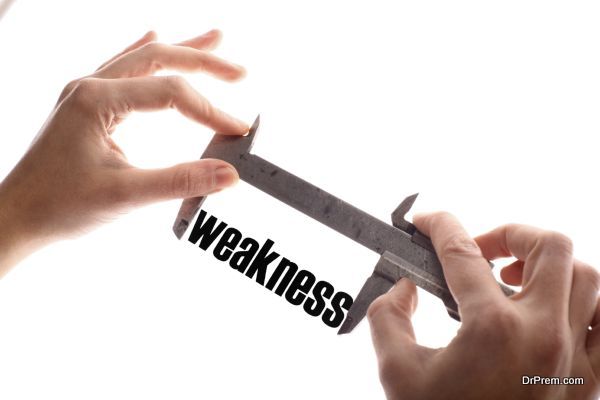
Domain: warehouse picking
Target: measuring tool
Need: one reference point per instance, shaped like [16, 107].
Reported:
[405, 252]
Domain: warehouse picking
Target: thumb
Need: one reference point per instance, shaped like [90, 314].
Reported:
[400, 358]
[390, 316]
[192, 179]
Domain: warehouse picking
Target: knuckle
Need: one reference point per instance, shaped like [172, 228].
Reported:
[499, 323]
[437, 216]
[86, 85]
[587, 273]
[187, 182]
[557, 242]
[152, 48]
[176, 83]
[68, 88]
[208, 111]
[551, 348]
[85, 92]
[387, 305]
[440, 214]
[511, 227]
[151, 54]
[181, 184]
[506, 323]
[459, 246]
[376, 307]
[174, 88]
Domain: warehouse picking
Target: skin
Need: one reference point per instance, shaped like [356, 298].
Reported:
[75, 177]
[551, 328]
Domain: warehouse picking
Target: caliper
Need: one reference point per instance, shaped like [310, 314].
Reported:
[405, 252]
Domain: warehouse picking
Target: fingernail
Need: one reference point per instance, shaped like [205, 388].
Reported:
[214, 37]
[151, 34]
[225, 176]
[235, 73]
[244, 127]
[241, 70]
[212, 32]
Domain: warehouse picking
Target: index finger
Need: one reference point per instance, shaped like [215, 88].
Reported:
[467, 272]
[113, 99]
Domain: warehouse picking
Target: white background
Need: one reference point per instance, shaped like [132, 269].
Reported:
[488, 109]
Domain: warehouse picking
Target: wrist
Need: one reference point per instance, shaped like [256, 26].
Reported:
[16, 242]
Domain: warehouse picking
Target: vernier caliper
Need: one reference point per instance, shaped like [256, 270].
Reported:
[405, 252]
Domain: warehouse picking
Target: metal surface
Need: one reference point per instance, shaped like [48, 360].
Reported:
[405, 248]
[389, 270]
[384, 276]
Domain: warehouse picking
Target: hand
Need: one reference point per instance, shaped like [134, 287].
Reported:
[544, 330]
[74, 176]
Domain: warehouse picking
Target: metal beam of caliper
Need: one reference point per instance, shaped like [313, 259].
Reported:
[405, 252]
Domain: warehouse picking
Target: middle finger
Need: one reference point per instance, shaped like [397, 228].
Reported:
[154, 57]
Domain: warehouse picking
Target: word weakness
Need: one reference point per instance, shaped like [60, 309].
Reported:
[247, 256]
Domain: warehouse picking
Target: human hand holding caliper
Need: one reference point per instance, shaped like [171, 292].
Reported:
[74, 176]
[550, 329]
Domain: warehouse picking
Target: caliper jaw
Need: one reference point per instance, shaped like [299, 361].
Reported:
[391, 268]
[225, 148]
